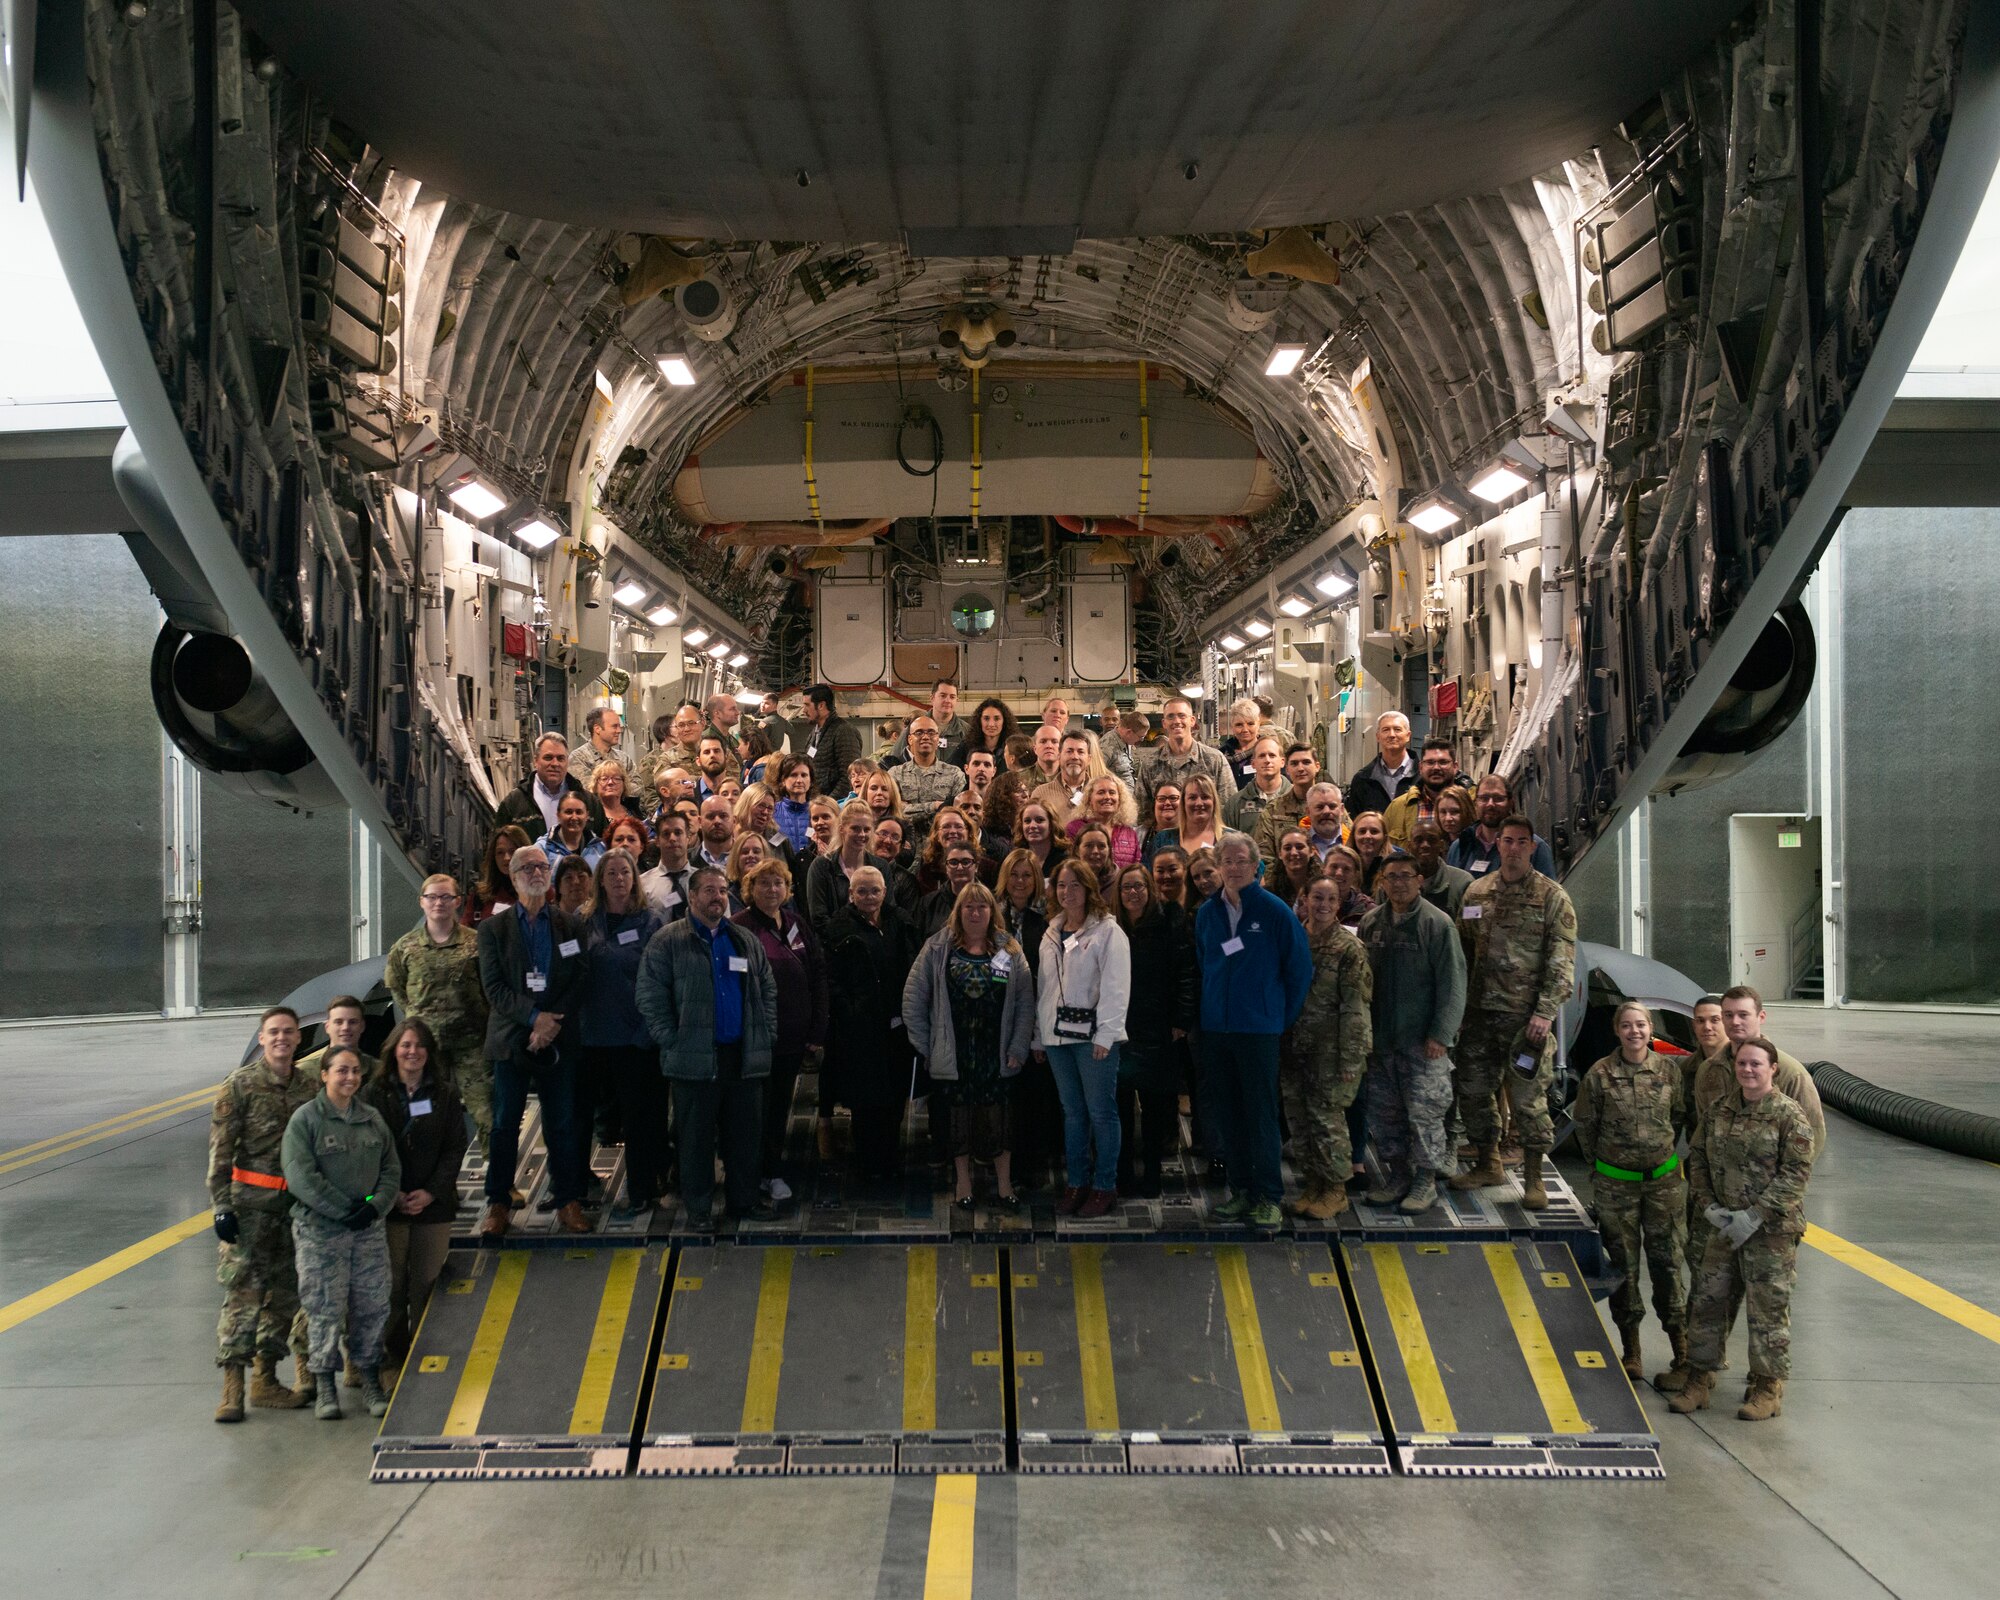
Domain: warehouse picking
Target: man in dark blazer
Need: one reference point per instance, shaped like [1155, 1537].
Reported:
[532, 966]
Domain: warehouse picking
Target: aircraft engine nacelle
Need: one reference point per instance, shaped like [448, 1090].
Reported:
[1764, 697]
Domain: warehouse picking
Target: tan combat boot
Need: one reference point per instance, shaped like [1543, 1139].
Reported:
[1767, 1399]
[1303, 1206]
[231, 1409]
[350, 1375]
[1633, 1362]
[268, 1394]
[1533, 1196]
[1486, 1174]
[1694, 1393]
[1675, 1378]
[1324, 1204]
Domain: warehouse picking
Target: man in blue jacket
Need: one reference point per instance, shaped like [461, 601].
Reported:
[1256, 966]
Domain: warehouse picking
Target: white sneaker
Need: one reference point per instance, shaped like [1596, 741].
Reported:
[778, 1189]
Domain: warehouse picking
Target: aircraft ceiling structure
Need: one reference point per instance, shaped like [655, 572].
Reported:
[1418, 183]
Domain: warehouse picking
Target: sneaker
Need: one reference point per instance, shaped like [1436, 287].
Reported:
[779, 1190]
[1266, 1215]
[1235, 1209]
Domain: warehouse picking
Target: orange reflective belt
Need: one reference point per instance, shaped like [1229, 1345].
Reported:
[257, 1180]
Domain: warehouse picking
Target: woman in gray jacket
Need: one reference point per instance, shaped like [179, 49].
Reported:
[343, 1172]
[969, 1009]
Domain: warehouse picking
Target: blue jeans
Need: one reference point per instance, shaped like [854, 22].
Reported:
[1089, 1091]
[1241, 1072]
[554, 1079]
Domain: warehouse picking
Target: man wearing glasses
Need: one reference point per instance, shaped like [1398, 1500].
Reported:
[532, 967]
[433, 973]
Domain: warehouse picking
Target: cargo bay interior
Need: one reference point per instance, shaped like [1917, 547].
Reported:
[1164, 351]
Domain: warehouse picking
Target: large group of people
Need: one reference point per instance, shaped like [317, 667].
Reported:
[1061, 944]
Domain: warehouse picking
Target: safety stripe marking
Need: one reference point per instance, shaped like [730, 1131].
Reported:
[1412, 1343]
[61, 1144]
[33, 1305]
[600, 1367]
[462, 1421]
[767, 1342]
[920, 1340]
[948, 1565]
[1544, 1365]
[1246, 1337]
[1093, 1339]
[1906, 1283]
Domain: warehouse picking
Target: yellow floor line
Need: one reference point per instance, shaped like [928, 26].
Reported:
[33, 1305]
[920, 1340]
[1412, 1343]
[600, 1367]
[767, 1343]
[1246, 1333]
[948, 1568]
[1906, 1283]
[462, 1421]
[1544, 1365]
[1093, 1339]
[61, 1144]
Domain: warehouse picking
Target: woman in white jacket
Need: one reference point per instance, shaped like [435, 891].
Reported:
[1086, 982]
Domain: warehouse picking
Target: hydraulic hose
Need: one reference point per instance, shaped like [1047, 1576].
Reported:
[1965, 1133]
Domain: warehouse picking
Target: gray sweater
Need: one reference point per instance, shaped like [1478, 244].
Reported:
[927, 1008]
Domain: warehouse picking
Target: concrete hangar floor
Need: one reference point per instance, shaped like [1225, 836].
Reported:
[1877, 1479]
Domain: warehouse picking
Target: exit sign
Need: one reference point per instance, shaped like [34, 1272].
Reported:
[1788, 841]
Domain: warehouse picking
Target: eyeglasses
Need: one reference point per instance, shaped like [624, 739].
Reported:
[532, 869]
[438, 899]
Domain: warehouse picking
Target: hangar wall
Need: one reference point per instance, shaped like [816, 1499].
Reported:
[81, 928]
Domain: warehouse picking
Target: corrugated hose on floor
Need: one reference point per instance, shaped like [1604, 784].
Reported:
[1965, 1133]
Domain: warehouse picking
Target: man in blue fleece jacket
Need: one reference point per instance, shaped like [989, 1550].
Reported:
[1256, 966]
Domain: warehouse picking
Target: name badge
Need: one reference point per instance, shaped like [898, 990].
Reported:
[794, 939]
[1069, 942]
[629, 936]
[537, 982]
[503, 905]
[1003, 963]
[739, 963]
[1232, 947]
[568, 947]
[1481, 866]
[420, 1108]
[1472, 913]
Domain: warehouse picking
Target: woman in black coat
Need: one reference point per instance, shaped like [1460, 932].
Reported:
[1166, 996]
[869, 952]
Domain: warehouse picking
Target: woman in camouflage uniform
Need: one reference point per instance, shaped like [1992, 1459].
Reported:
[1324, 1055]
[1748, 1164]
[1630, 1108]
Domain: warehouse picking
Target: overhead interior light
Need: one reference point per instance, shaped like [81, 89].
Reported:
[663, 616]
[1231, 642]
[1191, 691]
[538, 533]
[720, 648]
[1501, 481]
[604, 387]
[1433, 515]
[1257, 628]
[629, 593]
[1295, 605]
[675, 369]
[1334, 583]
[694, 637]
[1284, 360]
[740, 659]
[475, 498]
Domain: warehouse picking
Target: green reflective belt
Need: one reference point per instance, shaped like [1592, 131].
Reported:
[1665, 1167]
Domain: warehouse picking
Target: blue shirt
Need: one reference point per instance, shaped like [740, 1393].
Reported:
[795, 822]
[1261, 986]
[1472, 854]
[592, 849]
[728, 981]
[540, 934]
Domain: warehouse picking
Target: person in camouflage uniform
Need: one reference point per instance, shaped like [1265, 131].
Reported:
[1519, 930]
[1748, 1164]
[433, 973]
[1419, 999]
[246, 1184]
[344, 1172]
[1325, 1053]
[1630, 1109]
